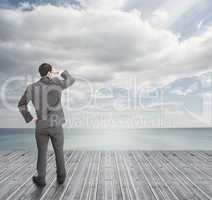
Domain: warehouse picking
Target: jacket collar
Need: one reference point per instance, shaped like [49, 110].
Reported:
[45, 79]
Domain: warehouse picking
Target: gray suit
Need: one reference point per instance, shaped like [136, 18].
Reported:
[45, 95]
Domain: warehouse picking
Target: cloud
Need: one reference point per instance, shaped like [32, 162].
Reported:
[200, 24]
[115, 41]
[101, 41]
[106, 42]
[103, 4]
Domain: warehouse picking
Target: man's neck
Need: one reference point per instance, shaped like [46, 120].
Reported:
[42, 77]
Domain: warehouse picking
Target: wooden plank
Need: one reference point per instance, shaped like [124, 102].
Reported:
[3, 153]
[138, 176]
[105, 190]
[175, 184]
[207, 153]
[116, 190]
[201, 184]
[8, 167]
[157, 187]
[187, 160]
[76, 181]
[10, 157]
[191, 158]
[99, 187]
[90, 181]
[128, 177]
[13, 169]
[169, 193]
[18, 180]
[83, 179]
[56, 192]
[123, 185]
[207, 157]
[95, 179]
[85, 191]
[111, 175]
[28, 190]
[195, 190]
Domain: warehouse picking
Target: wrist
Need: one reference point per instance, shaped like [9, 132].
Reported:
[60, 72]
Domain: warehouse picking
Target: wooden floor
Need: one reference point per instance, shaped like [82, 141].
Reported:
[93, 175]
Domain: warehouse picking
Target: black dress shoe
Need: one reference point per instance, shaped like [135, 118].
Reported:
[38, 181]
[61, 179]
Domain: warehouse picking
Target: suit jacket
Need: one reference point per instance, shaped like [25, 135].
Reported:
[45, 95]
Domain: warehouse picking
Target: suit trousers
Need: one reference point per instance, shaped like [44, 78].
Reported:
[42, 136]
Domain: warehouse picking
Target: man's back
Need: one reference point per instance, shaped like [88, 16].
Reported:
[45, 95]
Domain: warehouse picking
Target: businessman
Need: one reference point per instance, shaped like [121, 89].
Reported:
[45, 96]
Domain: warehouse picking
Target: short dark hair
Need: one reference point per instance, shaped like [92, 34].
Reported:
[44, 69]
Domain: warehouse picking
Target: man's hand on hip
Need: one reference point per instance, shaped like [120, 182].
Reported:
[34, 120]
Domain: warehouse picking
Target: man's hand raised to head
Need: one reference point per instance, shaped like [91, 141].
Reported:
[56, 71]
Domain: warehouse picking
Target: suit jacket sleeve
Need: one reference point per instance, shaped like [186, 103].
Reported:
[67, 81]
[22, 105]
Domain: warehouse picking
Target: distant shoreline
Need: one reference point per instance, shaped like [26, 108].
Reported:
[121, 128]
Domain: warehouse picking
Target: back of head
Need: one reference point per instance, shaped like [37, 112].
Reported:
[44, 69]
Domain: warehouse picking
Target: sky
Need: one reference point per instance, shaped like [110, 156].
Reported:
[110, 46]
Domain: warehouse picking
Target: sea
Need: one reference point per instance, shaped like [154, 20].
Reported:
[114, 139]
